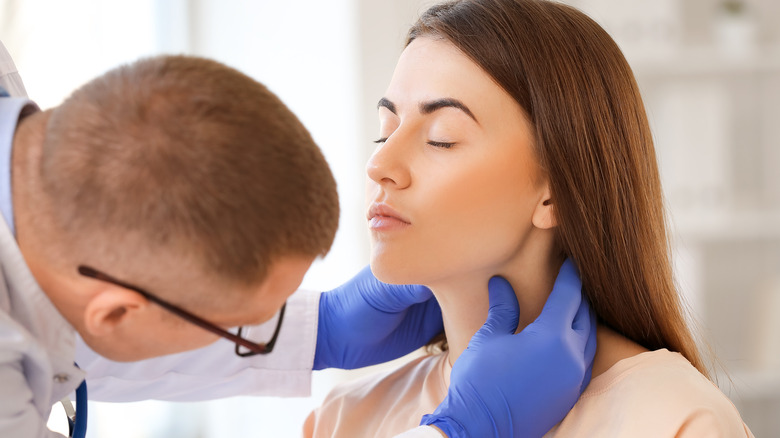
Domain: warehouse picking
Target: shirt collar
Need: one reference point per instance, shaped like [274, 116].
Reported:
[10, 110]
[32, 309]
[30, 306]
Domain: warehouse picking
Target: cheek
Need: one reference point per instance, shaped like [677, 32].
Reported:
[485, 219]
[175, 338]
[468, 220]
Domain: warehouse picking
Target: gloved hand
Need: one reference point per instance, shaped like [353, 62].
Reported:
[365, 322]
[521, 385]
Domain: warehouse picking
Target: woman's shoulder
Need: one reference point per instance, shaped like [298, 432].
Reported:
[659, 369]
[655, 393]
[387, 401]
[430, 370]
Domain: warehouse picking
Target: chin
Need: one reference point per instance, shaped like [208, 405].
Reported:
[394, 273]
[382, 274]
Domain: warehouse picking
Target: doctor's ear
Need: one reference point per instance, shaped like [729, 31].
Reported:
[544, 214]
[109, 308]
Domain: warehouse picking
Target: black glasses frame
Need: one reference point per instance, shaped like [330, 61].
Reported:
[253, 347]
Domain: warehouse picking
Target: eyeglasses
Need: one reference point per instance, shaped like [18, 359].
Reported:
[200, 322]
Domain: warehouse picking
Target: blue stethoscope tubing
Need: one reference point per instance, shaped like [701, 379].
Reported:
[80, 422]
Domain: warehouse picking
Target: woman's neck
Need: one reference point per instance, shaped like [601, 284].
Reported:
[464, 300]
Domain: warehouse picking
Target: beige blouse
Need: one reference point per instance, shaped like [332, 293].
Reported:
[653, 394]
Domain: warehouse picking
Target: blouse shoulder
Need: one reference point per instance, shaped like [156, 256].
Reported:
[654, 394]
[382, 404]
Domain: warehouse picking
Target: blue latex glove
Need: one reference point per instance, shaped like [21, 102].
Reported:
[521, 385]
[365, 322]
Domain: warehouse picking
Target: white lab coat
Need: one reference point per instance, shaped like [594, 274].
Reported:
[215, 371]
[9, 77]
[37, 348]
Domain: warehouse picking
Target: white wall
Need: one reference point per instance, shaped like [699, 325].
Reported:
[304, 51]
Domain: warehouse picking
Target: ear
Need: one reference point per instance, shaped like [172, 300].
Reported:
[110, 308]
[544, 214]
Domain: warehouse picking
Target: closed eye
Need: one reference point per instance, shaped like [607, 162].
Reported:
[441, 144]
[438, 144]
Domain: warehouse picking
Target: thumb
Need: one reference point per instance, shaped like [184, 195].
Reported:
[397, 298]
[504, 312]
[389, 297]
[564, 301]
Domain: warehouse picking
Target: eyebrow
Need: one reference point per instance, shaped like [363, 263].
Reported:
[384, 102]
[432, 106]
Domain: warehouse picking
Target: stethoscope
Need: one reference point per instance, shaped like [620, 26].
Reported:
[77, 418]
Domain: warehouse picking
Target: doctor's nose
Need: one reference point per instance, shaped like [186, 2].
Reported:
[388, 166]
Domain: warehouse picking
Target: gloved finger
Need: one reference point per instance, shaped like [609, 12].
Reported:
[564, 300]
[581, 323]
[504, 313]
[590, 350]
[393, 298]
[433, 318]
[424, 321]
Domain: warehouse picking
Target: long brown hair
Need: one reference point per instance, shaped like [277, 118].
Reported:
[593, 140]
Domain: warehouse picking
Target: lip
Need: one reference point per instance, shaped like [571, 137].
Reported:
[383, 217]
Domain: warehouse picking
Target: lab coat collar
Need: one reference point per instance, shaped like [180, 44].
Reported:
[23, 300]
[33, 309]
[10, 110]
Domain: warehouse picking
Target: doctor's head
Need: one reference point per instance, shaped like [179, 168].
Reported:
[184, 177]
[513, 131]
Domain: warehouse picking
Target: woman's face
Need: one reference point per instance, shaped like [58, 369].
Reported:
[453, 183]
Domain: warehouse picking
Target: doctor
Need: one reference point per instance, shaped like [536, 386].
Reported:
[175, 197]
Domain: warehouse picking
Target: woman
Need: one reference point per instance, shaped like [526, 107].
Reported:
[512, 136]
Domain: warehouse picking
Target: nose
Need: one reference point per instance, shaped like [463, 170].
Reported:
[388, 165]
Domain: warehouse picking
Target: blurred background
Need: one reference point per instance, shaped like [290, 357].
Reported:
[709, 71]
